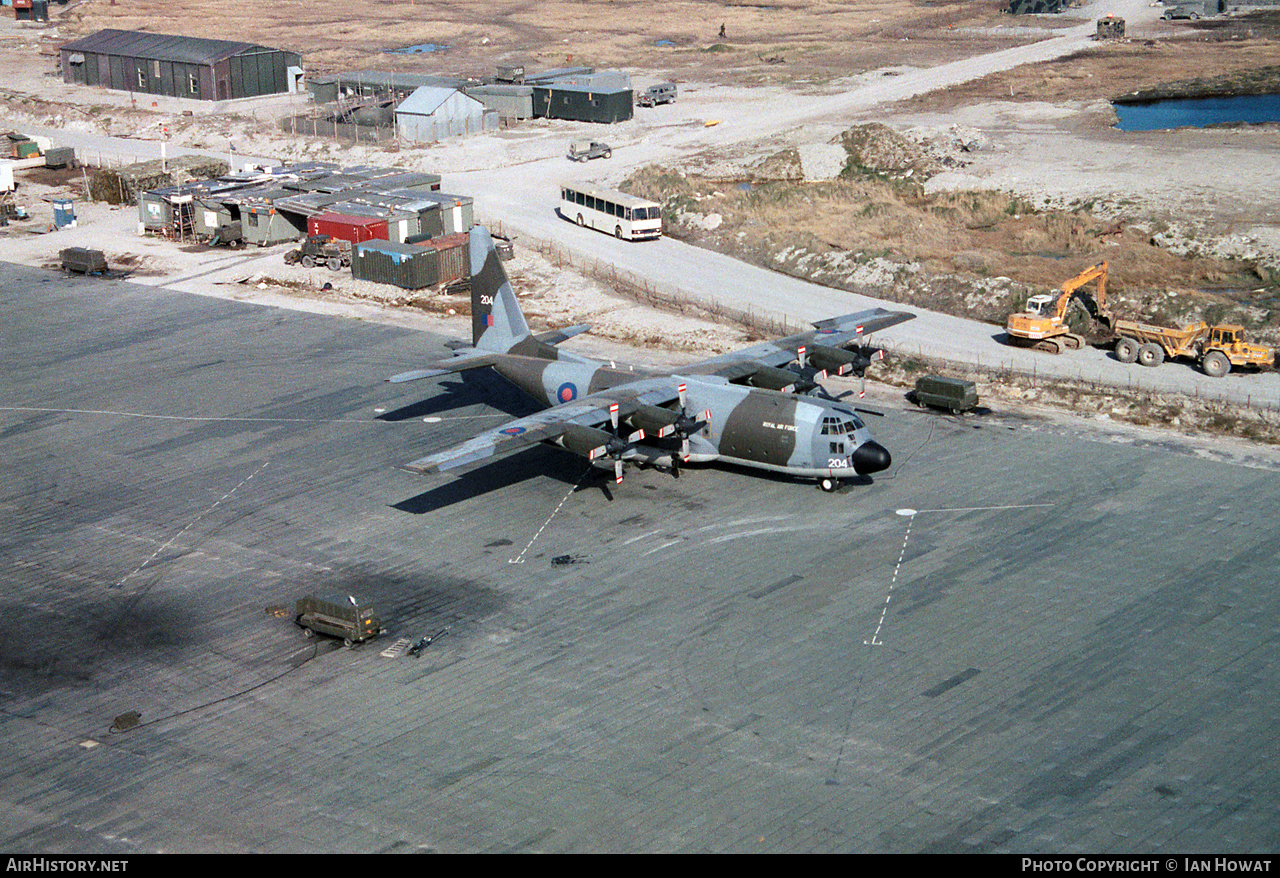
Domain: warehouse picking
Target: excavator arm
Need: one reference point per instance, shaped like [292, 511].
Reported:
[1097, 272]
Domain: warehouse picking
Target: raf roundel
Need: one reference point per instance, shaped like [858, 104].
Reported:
[513, 431]
[567, 392]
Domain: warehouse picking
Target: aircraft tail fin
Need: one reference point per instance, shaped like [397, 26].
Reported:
[496, 320]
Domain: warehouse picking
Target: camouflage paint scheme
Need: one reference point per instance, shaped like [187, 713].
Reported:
[741, 407]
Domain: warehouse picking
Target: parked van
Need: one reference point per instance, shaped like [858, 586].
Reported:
[348, 619]
[663, 93]
[946, 393]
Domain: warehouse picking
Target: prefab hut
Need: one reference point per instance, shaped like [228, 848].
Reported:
[177, 66]
[434, 113]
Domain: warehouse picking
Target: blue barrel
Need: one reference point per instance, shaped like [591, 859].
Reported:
[64, 212]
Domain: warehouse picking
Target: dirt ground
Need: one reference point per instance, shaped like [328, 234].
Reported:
[1222, 51]
[778, 41]
[875, 229]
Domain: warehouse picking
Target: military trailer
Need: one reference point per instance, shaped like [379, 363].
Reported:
[229, 235]
[83, 260]
[953, 394]
[348, 619]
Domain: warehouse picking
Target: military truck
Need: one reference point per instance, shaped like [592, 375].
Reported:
[321, 250]
[348, 619]
[594, 149]
[953, 394]
[1216, 349]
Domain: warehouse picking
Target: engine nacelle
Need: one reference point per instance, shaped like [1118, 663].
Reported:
[654, 421]
[838, 361]
[583, 441]
[774, 379]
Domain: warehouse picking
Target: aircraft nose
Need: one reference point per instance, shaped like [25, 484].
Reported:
[871, 457]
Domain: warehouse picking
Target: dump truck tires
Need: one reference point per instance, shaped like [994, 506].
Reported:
[1215, 364]
[308, 261]
[1126, 350]
[335, 263]
[1150, 354]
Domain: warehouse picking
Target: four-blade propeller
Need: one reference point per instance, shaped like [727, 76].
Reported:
[616, 447]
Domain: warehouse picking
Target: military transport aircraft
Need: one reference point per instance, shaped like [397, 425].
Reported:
[759, 407]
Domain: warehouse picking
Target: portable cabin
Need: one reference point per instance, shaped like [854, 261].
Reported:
[457, 212]
[400, 223]
[508, 101]
[265, 225]
[583, 101]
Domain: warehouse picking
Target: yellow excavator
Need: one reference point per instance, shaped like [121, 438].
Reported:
[1042, 326]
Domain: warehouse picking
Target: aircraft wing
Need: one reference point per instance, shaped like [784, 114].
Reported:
[835, 332]
[471, 359]
[591, 412]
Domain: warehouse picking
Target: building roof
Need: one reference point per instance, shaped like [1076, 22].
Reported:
[163, 47]
[426, 100]
[386, 79]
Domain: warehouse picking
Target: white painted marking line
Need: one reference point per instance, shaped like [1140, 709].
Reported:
[245, 420]
[910, 514]
[980, 508]
[189, 526]
[875, 636]
[432, 420]
[187, 418]
[519, 559]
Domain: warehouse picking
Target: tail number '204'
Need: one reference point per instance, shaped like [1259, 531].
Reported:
[486, 300]
[837, 463]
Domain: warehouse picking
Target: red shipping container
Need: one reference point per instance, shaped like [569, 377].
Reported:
[348, 228]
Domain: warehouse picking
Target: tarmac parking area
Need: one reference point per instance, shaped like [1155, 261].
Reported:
[1019, 638]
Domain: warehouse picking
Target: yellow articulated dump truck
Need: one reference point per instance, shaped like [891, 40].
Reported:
[1216, 349]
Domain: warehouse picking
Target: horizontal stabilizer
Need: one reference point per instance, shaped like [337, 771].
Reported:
[555, 336]
[461, 363]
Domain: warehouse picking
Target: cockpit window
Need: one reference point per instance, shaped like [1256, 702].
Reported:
[840, 424]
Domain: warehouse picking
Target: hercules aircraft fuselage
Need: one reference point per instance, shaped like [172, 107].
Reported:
[740, 407]
[807, 437]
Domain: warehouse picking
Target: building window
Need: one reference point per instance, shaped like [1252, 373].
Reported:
[193, 84]
[142, 78]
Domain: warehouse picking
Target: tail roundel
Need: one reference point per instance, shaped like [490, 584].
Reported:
[496, 319]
